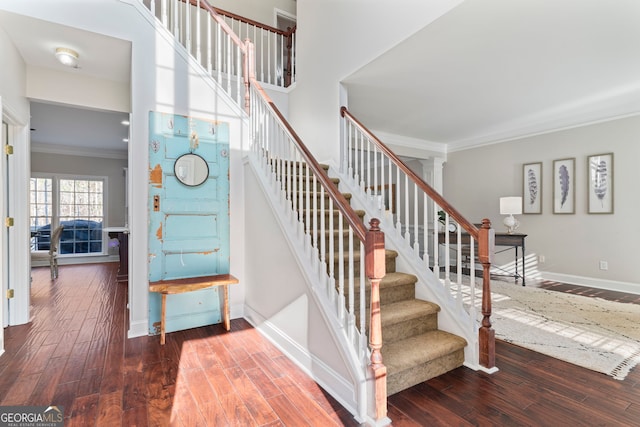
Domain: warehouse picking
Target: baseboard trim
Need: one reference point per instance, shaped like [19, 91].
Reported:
[91, 259]
[610, 285]
[330, 380]
[138, 329]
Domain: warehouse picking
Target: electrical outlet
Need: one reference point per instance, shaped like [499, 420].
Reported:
[541, 259]
[604, 265]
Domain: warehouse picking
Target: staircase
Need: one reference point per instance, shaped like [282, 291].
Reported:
[414, 349]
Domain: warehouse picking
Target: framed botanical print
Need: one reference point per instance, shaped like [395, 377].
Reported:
[600, 183]
[564, 185]
[532, 188]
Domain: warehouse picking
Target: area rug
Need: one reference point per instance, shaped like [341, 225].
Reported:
[596, 334]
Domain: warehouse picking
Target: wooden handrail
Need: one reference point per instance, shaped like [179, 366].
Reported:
[254, 23]
[223, 24]
[430, 191]
[217, 13]
[484, 236]
[372, 239]
[339, 200]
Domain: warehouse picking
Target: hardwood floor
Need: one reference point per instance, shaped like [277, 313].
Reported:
[530, 389]
[75, 354]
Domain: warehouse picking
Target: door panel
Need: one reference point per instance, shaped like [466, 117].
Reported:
[189, 232]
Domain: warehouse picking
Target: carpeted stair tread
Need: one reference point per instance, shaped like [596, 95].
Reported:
[394, 287]
[413, 349]
[318, 194]
[404, 311]
[388, 254]
[405, 354]
[390, 280]
[358, 212]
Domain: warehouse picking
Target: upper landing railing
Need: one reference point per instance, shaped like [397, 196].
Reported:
[275, 53]
[213, 36]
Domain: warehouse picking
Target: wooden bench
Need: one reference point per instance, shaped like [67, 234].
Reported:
[179, 286]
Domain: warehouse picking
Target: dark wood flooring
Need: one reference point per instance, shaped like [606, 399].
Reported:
[75, 354]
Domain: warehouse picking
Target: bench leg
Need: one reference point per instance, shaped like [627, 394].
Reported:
[225, 308]
[162, 318]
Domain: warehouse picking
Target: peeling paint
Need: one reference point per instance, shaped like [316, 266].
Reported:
[155, 176]
[209, 252]
[159, 232]
[156, 327]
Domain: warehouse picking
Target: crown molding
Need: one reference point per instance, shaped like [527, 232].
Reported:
[414, 147]
[514, 136]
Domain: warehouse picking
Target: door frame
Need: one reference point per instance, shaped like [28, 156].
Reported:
[3, 242]
[16, 272]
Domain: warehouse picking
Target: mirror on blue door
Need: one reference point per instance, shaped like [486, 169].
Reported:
[191, 169]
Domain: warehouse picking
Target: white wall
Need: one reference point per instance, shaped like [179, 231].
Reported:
[334, 40]
[74, 89]
[13, 78]
[280, 302]
[16, 112]
[572, 245]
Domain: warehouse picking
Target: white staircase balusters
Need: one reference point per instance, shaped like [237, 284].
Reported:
[449, 241]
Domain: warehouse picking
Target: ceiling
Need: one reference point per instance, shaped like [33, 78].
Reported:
[489, 70]
[65, 128]
[492, 70]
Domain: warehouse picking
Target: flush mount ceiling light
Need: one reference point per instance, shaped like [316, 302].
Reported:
[68, 57]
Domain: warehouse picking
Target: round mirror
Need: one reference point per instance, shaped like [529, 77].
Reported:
[191, 169]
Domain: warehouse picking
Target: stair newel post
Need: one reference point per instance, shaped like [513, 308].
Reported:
[375, 268]
[486, 336]
[289, 45]
[249, 71]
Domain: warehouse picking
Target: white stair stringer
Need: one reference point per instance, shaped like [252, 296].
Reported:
[453, 317]
[359, 399]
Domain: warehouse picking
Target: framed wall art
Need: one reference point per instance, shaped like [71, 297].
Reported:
[532, 188]
[564, 185]
[600, 185]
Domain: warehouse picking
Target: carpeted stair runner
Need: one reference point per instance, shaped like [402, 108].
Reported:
[413, 350]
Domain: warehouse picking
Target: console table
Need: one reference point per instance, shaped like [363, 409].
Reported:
[122, 234]
[179, 286]
[515, 241]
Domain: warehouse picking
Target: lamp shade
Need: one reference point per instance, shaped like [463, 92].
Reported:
[510, 205]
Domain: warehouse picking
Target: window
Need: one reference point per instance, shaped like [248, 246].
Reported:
[41, 212]
[77, 204]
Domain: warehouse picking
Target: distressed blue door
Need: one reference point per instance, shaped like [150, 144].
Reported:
[188, 225]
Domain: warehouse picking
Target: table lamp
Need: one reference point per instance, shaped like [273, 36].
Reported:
[511, 206]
